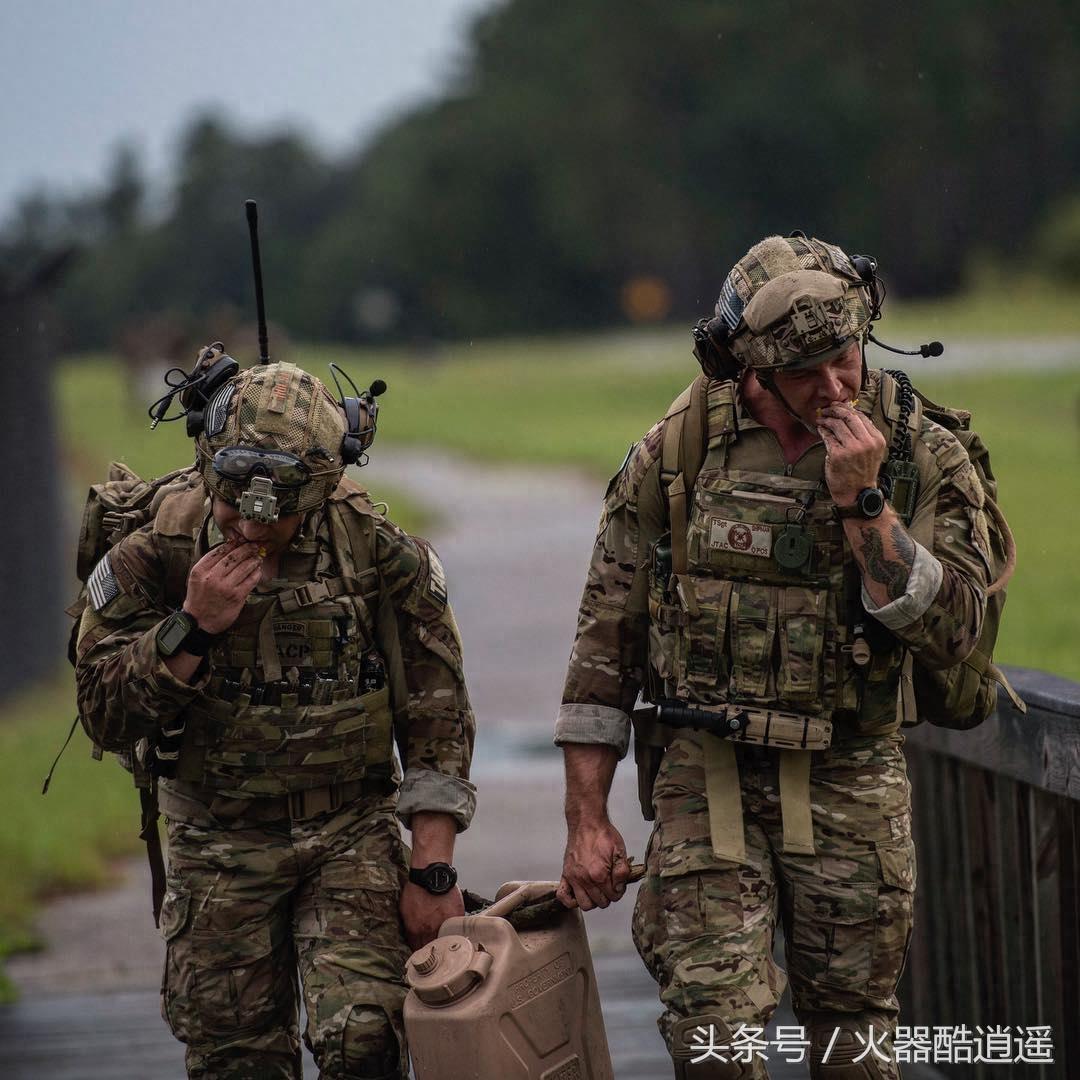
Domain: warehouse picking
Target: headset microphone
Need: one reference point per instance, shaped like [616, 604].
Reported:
[932, 348]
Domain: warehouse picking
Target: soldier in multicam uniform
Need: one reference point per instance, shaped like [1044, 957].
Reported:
[779, 595]
[297, 652]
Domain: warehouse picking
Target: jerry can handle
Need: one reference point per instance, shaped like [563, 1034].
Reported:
[521, 893]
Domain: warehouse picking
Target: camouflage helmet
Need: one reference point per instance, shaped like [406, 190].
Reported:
[275, 407]
[792, 302]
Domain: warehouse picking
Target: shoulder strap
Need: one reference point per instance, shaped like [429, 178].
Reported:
[352, 519]
[681, 455]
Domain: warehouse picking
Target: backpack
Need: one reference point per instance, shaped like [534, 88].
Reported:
[961, 696]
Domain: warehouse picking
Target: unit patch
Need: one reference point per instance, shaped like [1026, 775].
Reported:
[292, 642]
[102, 586]
[741, 537]
[436, 586]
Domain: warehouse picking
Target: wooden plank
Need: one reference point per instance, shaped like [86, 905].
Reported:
[1047, 877]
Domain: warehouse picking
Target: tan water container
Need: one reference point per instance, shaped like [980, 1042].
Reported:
[489, 1002]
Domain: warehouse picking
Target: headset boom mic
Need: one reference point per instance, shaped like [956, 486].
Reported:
[933, 348]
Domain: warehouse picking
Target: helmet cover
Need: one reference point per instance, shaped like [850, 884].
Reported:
[275, 407]
[792, 302]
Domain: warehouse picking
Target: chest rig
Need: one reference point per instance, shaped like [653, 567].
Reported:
[756, 623]
[299, 695]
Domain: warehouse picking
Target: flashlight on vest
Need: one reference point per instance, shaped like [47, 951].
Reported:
[259, 503]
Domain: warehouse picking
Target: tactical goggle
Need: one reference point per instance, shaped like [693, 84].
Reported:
[239, 463]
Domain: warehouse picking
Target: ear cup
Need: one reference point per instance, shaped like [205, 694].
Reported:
[361, 432]
[197, 397]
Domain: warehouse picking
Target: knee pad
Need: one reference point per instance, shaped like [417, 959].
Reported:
[696, 1048]
[849, 1035]
[361, 1045]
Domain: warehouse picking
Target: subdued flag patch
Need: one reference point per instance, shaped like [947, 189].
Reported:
[436, 579]
[102, 586]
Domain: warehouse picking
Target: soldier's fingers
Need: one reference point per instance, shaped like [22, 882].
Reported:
[237, 571]
[565, 895]
[620, 873]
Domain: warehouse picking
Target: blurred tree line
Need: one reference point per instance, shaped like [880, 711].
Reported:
[595, 161]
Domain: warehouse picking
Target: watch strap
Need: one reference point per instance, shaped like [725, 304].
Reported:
[436, 877]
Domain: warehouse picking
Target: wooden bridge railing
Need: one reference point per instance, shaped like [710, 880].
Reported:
[997, 916]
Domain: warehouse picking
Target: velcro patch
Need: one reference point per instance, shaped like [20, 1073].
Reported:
[280, 393]
[741, 537]
[102, 586]
[217, 411]
[436, 585]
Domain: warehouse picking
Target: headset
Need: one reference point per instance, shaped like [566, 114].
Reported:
[214, 368]
[712, 336]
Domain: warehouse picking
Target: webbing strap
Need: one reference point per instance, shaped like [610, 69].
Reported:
[795, 802]
[269, 660]
[724, 797]
[680, 567]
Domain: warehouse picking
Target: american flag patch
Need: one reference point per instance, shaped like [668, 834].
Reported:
[218, 410]
[102, 586]
[730, 305]
[436, 579]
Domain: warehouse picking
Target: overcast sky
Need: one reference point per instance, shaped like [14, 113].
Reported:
[78, 75]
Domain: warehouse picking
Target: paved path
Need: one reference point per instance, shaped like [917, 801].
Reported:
[514, 544]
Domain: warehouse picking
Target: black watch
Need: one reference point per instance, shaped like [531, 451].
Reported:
[868, 504]
[436, 877]
[181, 633]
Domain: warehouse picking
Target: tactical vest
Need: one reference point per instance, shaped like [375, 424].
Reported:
[755, 616]
[300, 689]
[778, 625]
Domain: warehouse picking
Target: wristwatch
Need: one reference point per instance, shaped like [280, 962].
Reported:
[436, 877]
[868, 504]
[181, 633]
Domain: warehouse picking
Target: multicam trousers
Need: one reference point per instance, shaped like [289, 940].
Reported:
[249, 908]
[704, 926]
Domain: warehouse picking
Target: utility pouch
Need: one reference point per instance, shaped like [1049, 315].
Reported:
[649, 747]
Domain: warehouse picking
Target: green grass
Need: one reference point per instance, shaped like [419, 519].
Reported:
[66, 839]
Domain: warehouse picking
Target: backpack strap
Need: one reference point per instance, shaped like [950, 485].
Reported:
[701, 418]
[353, 526]
[681, 455]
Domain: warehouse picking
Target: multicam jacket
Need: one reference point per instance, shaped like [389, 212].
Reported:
[768, 636]
[281, 703]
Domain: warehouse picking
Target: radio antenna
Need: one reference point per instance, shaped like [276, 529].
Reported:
[256, 263]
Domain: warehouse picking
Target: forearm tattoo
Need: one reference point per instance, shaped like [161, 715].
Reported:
[892, 573]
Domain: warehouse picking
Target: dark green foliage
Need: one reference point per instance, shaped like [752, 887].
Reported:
[583, 145]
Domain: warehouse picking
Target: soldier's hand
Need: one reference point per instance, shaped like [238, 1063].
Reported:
[220, 582]
[854, 451]
[595, 866]
[422, 913]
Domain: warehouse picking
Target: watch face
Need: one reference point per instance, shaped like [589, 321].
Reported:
[440, 878]
[871, 502]
[172, 633]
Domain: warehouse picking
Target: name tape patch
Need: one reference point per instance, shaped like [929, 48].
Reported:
[741, 537]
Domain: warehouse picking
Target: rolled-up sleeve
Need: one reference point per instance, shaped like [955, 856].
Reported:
[607, 662]
[941, 613]
[435, 727]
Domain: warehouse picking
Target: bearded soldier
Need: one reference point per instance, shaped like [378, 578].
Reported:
[260, 644]
[771, 598]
